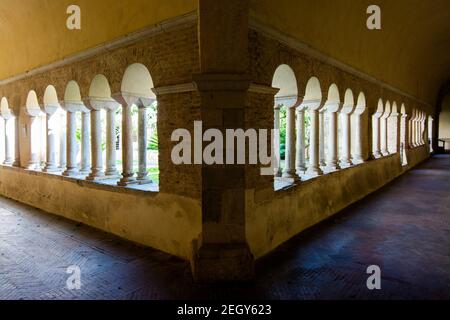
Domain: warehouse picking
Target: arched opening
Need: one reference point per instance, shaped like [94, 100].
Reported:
[139, 122]
[403, 135]
[7, 133]
[284, 122]
[55, 131]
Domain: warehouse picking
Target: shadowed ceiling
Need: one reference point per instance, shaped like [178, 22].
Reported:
[411, 52]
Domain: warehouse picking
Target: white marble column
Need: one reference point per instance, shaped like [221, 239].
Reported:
[345, 160]
[376, 148]
[71, 144]
[8, 143]
[289, 167]
[300, 142]
[51, 165]
[63, 141]
[322, 162]
[313, 166]
[111, 169]
[96, 146]
[85, 142]
[142, 175]
[33, 162]
[358, 156]
[276, 142]
[127, 146]
[332, 161]
[16, 142]
[384, 136]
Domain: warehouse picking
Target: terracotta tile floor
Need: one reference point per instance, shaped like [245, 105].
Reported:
[404, 228]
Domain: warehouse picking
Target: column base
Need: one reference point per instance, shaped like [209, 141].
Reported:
[345, 164]
[112, 173]
[144, 180]
[7, 162]
[51, 168]
[358, 161]
[331, 167]
[97, 175]
[223, 262]
[71, 173]
[123, 182]
[384, 153]
[300, 171]
[377, 155]
[313, 172]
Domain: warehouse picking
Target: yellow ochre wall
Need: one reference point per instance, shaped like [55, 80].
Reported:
[34, 33]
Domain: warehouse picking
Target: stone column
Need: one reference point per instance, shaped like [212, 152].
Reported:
[322, 162]
[142, 143]
[345, 160]
[85, 142]
[62, 142]
[71, 143]
[358, 157]
[16, 142]
[51, 165]
[332, 161]
[383, 135]
[8, 143]
[313, 166]
[376, 152]
[289, 164]
[111, 169]
[300, 142]
[276, 142]
[127, 146]
[33, 162]
[96, 146]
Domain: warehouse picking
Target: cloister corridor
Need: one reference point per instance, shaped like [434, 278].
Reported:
[404, 228]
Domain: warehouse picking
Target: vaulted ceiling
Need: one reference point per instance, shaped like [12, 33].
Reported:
[410, 52]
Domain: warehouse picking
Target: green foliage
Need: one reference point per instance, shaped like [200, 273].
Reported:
[153, 142]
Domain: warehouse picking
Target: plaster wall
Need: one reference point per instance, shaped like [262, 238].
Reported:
[159, 220]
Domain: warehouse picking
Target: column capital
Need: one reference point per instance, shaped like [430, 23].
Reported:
[74, 106]
[98, 104]
[50, 109]
[312, 104]
[332, 106]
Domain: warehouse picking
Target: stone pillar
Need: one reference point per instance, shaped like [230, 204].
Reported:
[289, 164]
[345, 160]
[384, 135]
[71, 143]
[111, 169]
[127, 146]
[222, 252]
[322, 162]
[276, 126]
[358, 156]
[96, 146]
[300, 142]
[376, 136]
[142, 144]
[332, 161]
[313, 166]
[16, 142]
[8, 143]
[85, 142]
[63, 142]
[51, 165]
[33, 162]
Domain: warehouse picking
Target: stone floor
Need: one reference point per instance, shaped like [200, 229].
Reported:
[404, 228]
